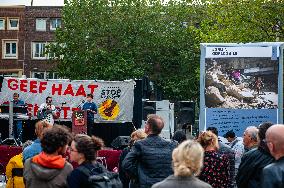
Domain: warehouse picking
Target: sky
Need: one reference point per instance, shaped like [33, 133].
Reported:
[35, 3]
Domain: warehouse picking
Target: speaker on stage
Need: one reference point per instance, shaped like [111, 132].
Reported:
[149, 107]
[120, 142]
[186, 114]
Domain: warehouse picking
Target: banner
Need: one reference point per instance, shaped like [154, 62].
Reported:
[241, 85]
[114, 99]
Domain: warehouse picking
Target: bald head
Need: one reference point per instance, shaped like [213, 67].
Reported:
[275, 140]
[154, 124]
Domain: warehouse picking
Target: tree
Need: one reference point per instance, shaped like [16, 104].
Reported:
[126, 39]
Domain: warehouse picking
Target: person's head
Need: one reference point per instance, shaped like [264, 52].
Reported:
[213, 130]
[250, 138]
[154, 124]
[230, 136]
[40, 127]
[262, 128]
[275, 140]
[89, 97]
[187, 158]
[16, 96]
[26, 144]
[208, 140]
[48, 100]
[139, 134]
[179, 136]
[55, 140]
[84, 148]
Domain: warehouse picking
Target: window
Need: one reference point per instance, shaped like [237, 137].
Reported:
[45, 75]
[38, 49]
[13, 24]
[41, 24]
[55, 23]
[2, 23]
[10, 48]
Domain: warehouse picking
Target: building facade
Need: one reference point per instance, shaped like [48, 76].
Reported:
[24, 47]
[12, 31]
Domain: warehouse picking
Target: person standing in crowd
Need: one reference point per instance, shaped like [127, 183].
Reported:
[49, 168]
[91, 109]
[83, 150]
[14, 169]
[150, 159]
[136, 135]
[250, 140]
[187, 163]
[47, 111]
[216, 169]
[273, 174]
[35, 147]
[237, 146]
[224, 149]
[250, 169]
[179, 136]
[18, 127]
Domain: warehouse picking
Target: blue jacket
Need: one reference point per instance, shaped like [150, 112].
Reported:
[150, 160]
[32, 150]
[90, 106]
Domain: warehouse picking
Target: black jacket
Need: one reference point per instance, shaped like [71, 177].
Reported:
[273, 175]
[181, 182]
[250, 169]
[150, 160]
[77, 179]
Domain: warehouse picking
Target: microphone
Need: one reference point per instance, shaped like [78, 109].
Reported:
[83, 101]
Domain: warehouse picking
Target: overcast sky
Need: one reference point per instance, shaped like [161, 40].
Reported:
[36, 2]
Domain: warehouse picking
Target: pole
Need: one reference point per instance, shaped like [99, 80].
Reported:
[11, 119]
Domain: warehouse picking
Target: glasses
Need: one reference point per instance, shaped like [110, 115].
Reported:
[72, 150]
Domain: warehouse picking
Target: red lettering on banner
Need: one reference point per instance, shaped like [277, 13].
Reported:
[13, 86]
[23, 85]
[35, 109]
[81, 91]
[69, 90]
[56, 89]
[30, 107]
[92, 87]
[65, 110]
[42, 86]
[33, 86]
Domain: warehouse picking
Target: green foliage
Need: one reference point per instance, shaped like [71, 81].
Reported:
[126, 39]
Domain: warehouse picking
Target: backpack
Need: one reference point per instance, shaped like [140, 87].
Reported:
[105, 179]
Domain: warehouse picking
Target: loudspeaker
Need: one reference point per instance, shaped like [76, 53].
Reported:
[186, 113]
[120, 142]
[149, 107]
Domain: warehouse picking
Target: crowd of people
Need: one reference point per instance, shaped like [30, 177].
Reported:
[151, 161]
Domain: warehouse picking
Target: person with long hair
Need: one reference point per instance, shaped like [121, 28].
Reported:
[83, 150]
[216, 166]
[187, 163]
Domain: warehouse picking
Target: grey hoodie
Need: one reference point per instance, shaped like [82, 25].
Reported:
[36, 176]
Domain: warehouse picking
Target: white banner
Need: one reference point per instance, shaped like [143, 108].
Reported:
[114, 99]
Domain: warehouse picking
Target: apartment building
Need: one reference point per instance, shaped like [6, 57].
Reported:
[25, 33]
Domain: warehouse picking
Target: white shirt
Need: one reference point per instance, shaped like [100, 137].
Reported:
[49, 117]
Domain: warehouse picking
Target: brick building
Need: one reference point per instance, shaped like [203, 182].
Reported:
[12, 40]
[24, 44]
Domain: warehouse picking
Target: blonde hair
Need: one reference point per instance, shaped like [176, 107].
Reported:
[139, 134]
[188, 158]
[40, 126]
[208, 138]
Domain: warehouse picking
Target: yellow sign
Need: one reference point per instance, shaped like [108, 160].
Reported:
[109, 109]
